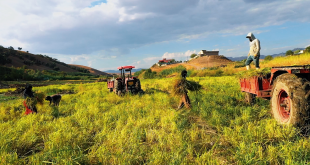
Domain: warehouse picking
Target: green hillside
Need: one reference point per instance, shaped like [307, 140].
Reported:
[21, 65]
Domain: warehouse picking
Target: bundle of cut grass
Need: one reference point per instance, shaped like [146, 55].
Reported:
[31, 101]
[40, 97]
[181, 86]
[253, 72]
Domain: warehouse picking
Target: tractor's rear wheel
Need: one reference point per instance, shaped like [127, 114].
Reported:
[118, 86]
[290, 100]
[250, 98]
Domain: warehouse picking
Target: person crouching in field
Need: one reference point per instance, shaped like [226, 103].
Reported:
[254, 53]
[30, 101]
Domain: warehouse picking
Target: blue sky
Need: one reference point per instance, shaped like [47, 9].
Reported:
[106, 34]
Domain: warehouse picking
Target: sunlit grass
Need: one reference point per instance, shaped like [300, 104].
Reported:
[94, 126]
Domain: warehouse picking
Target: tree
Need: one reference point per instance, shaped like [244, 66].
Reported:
[289, 52]
[296, 51]
[172, 61]
[268, 58]
[193, 55]
[307, 49]
[19, 48]
[11, 48]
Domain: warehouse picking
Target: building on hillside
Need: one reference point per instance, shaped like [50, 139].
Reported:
[164, 62]
[207, 53]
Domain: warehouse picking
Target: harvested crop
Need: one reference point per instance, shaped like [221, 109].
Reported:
[254, 72]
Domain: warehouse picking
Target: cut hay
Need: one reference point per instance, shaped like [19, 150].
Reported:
[181, 86]
[40, 97]
[31, 102]
[253, 72]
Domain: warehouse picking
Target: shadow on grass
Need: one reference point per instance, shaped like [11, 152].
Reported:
[153, 90]
[55, 112]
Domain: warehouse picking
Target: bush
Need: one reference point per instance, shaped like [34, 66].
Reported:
[149, 74]
[136, 74]
[193, 55]
[169, 71]
[289, 52]
[307, 49]
[268, 58]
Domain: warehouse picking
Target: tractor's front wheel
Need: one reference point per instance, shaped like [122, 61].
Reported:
[138, 85]
[290, 100]
[119, 93]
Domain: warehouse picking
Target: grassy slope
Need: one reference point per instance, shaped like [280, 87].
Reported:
[95, 126]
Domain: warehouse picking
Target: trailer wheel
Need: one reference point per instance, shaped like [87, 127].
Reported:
[111, 89]
[250, 98]
[289, 100]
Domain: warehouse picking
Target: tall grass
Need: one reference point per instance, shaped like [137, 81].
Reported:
[302, 59]
[94, 126]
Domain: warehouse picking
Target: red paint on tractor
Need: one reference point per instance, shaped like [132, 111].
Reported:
[125, 67]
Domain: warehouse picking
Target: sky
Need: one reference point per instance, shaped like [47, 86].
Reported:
[106, 34]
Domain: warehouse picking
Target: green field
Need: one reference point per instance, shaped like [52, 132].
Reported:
[94, 126]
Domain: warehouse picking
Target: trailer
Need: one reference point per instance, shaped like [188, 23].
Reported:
[287, 88]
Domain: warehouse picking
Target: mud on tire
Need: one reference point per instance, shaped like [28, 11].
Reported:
[117, 86]
[138, 85]
[290, 100]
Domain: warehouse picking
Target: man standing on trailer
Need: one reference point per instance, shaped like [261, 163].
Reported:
[254, 53]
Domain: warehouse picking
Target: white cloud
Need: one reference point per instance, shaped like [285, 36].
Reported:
[114, 28]
[228, 50]
[179, 54]
[78, 58]
[90, 63]
[148, 59]
[73, 27]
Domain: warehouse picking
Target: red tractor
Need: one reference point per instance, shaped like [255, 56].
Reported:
[125, 84]
[287, 88]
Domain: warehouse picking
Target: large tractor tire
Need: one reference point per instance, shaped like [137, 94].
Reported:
[250, 98]
[290, 100]
[138, 85]
[117, 86]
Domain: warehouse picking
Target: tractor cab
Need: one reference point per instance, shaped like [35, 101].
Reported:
[124, 69]
[128, 80]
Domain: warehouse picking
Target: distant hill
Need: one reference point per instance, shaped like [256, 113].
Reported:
[210, 61]
[199, 63]
[16, 58]
[262, 56]
[91, 70]
[117, 71]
